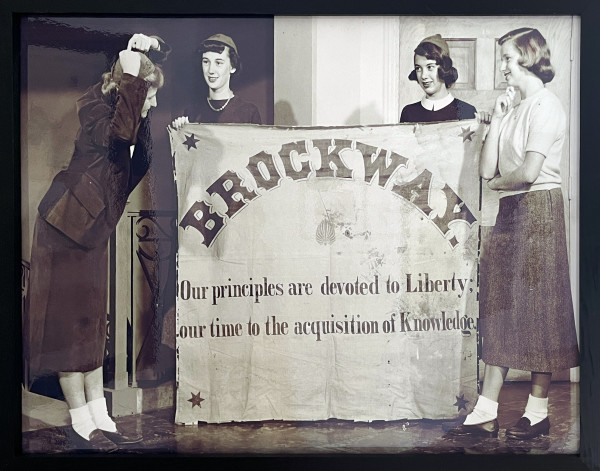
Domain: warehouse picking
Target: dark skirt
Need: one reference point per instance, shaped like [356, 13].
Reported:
[526, 309]
[66, 304]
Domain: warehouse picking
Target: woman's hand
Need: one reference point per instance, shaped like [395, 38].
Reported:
[178, 123]
[483, 117]
[493, 183]
[130, 62]
[504, 103]
[143, 43]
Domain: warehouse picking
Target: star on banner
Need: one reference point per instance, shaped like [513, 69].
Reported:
[196, 400]
[466, 133]
[190, 141]
[461, 402]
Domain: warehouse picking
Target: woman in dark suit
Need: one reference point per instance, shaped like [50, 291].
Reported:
[69, 258]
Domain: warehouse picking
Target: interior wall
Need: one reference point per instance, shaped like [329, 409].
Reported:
[336, 71]
[294, 79]
[49, 117]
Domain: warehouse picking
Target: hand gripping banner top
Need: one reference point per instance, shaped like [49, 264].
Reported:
[326, 272]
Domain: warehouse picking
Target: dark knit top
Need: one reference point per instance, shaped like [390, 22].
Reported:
[236, 111]
[456, 110]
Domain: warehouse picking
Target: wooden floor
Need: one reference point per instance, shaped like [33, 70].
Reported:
[45, 420]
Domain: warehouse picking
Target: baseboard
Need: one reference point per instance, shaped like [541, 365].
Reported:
[40, 412]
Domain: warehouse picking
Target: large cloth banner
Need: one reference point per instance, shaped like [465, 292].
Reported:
[326, 272]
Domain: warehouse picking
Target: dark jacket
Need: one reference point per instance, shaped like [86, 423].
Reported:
[86, 201]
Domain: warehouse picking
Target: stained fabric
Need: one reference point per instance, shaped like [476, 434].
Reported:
[326, 272]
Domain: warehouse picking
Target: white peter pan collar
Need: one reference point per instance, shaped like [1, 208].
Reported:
[436, 105]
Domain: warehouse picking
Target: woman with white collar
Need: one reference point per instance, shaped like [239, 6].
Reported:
[435, 74]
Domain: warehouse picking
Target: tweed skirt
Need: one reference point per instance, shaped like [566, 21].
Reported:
[526, 309]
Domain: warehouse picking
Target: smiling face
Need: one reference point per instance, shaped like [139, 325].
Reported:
[217, 70]
[428, 76]
[150, 101]
[513, 72]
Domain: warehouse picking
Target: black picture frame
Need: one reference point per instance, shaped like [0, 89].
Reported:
[589, 457]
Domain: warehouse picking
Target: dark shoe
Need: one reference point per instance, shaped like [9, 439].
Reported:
[523, 429]
[120, 437]
[97, 441]
[486, 429]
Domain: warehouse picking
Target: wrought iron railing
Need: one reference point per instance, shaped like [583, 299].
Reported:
[148, 285]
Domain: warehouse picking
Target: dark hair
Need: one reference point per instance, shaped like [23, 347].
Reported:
[534, 51]
[219, 47]
[446, 71]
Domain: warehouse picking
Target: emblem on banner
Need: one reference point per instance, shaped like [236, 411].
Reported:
[325, 232]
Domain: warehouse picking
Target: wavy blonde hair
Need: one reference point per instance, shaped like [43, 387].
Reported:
[149, 71]
[534, 51]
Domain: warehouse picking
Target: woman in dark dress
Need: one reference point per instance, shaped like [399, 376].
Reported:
[435, 74]
[69, 263]
[526, 310]
[220, 60]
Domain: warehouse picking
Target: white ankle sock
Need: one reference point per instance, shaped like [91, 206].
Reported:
[82, 421]
[485, 410]
[536, 409]
[99, 413]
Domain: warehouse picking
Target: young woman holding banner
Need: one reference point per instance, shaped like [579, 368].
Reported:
[220, 60]
[526, 310]
[69, 259]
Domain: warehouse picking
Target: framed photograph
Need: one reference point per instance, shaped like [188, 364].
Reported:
[269, 235]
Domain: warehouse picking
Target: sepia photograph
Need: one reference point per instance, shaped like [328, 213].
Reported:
[302, 236]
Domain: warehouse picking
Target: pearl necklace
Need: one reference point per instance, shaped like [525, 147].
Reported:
[222, 107]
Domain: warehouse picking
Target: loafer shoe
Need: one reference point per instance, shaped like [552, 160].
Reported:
[97, 441]
[120, 437]
[486, 429]
[523, 429]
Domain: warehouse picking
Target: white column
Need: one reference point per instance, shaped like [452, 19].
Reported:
[335, 71]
